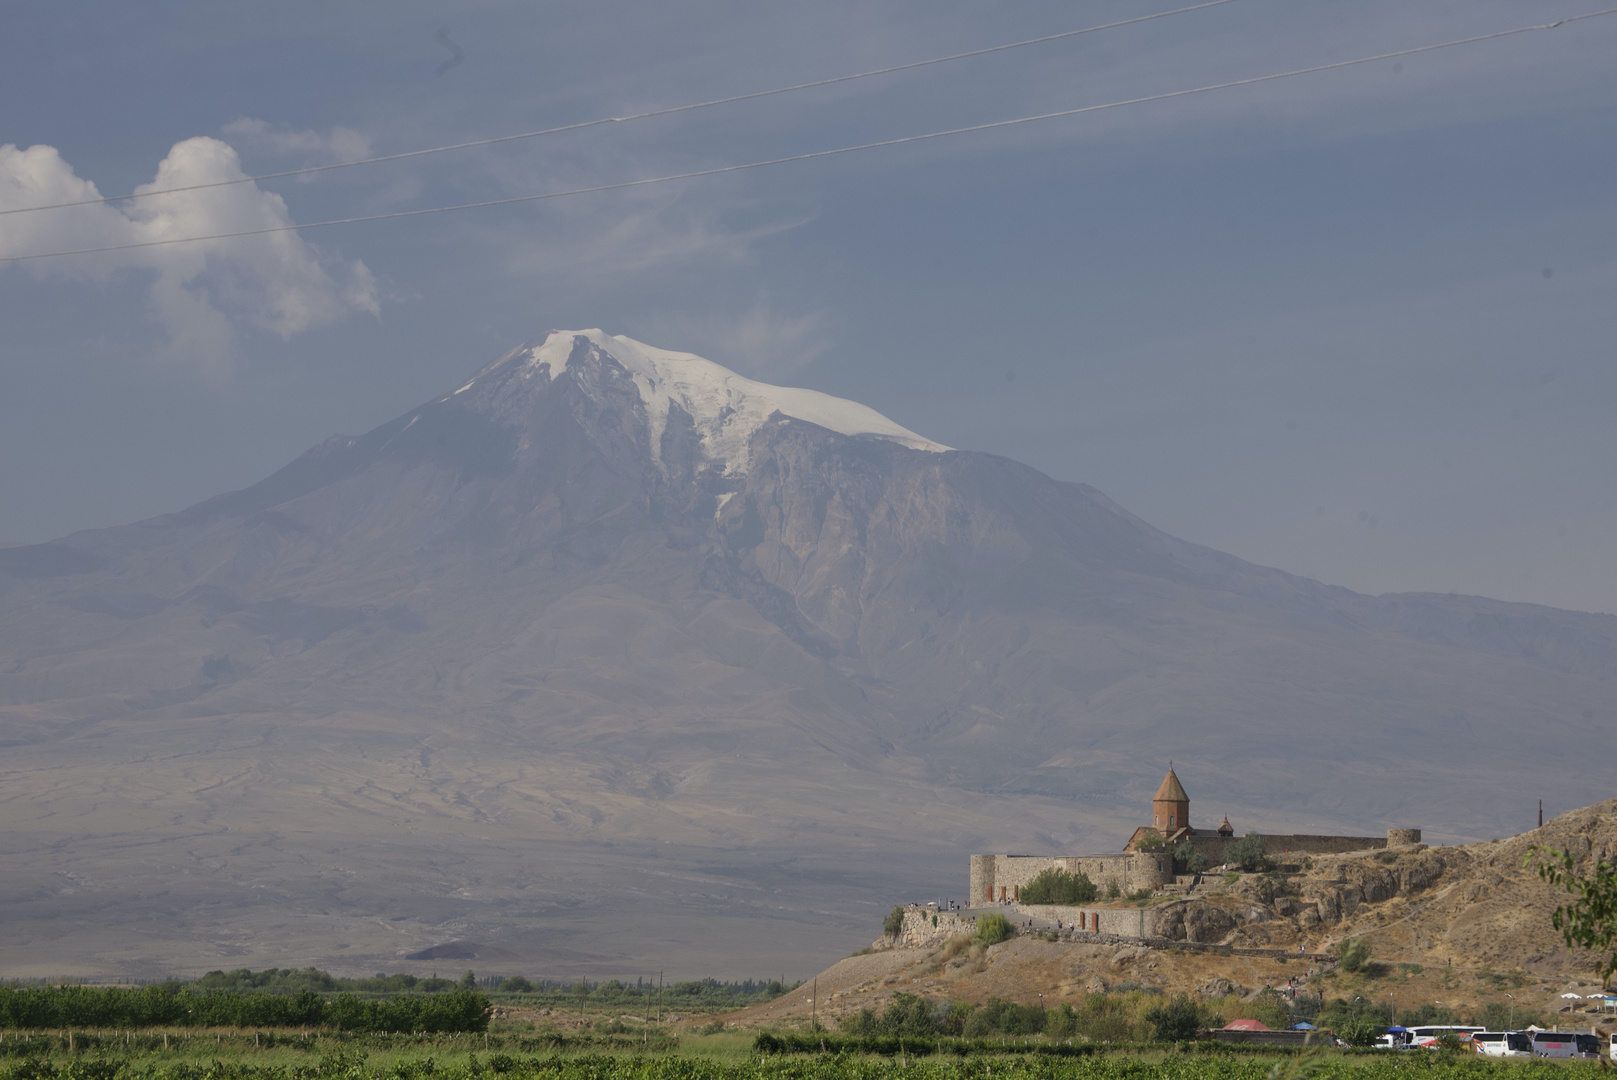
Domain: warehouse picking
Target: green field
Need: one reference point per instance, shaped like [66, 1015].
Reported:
[652, 1055]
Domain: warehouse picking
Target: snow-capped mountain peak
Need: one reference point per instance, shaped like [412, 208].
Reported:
[726, 408]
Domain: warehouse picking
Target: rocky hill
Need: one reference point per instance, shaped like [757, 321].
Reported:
[608, 628]
[1461, 925]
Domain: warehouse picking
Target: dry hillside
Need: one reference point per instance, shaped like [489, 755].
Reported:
[1458, 925]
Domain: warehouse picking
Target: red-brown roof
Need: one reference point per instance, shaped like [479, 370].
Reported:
[1247, 1025]
[1171, 790]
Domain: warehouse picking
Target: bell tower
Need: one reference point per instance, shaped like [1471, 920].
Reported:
[1170, 806]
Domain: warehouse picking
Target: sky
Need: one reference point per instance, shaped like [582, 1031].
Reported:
[1356, 324]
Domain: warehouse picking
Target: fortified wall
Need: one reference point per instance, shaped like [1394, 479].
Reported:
[1135, 922]
[998, 879]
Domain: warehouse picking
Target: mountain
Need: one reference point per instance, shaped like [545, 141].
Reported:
[612, 659]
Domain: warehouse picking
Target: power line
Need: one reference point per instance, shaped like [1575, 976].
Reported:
[624, 119]
[718, 170]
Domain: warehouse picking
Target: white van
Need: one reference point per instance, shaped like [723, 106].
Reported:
[1554, 1044]
[1503, 1043]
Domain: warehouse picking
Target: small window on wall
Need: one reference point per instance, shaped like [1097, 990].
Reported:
[1170, 821]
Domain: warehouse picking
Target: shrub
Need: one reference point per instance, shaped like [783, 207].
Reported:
[1057, 886]
[994, 928]
[1005, 1018]
[1354, 953]
[516, 984]
[1359, 1032]
[1062, 1022]
[1247, 853]
[1113, 891]
[955, 946]
[906, 1015]
[894, 922]
[1140, 895]
[1175, 1020]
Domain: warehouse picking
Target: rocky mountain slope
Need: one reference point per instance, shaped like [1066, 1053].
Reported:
[608, 627]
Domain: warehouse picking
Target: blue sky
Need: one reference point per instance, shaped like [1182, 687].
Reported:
[1357, 324]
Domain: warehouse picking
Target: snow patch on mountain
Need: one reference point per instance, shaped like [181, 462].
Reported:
[725, 408]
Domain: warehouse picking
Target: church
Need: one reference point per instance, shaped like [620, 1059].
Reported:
[1147, 860]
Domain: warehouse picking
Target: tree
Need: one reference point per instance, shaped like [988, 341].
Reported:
[1056, 886]
[894, 923]
[1590, 921]
[1354, 953]
[993, 928]
[516, 984]
[468, 981]
[1247, 853]
[1175, 1021]
[1186, 856]
[1153, 842]
[1359, 1032]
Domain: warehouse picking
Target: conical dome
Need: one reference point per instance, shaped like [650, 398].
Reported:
[1171, 790]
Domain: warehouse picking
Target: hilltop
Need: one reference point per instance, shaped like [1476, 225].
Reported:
[1461, 925]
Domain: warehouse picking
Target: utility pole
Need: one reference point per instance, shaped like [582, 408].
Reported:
[1541, 813]
[814, 1005]
[659, 997]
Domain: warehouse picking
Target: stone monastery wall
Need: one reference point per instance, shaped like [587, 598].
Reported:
[1123, 922]
[1212, 847]
[999, 879]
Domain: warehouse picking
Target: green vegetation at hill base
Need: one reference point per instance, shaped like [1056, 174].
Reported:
[309, 997]
[33, 1008]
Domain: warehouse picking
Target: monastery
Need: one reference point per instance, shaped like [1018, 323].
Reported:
[1000, 878]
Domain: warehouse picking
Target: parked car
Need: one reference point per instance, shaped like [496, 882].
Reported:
[1503, 1043]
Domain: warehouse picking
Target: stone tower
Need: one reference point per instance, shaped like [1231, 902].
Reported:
[1170, 806]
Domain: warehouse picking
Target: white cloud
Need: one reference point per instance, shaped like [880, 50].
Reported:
[338, 144]
[762, 342]
[275, 282]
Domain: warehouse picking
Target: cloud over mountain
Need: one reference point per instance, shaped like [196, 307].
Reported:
[275, 282]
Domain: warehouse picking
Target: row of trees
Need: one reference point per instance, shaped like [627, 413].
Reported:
[1134, 1016]
[176, 1005]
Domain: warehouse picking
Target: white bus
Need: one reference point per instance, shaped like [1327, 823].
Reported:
[1503, 1043]
[1554, 1044]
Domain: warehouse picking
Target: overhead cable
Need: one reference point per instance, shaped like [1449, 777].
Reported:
[994, 125]
[623, 119]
